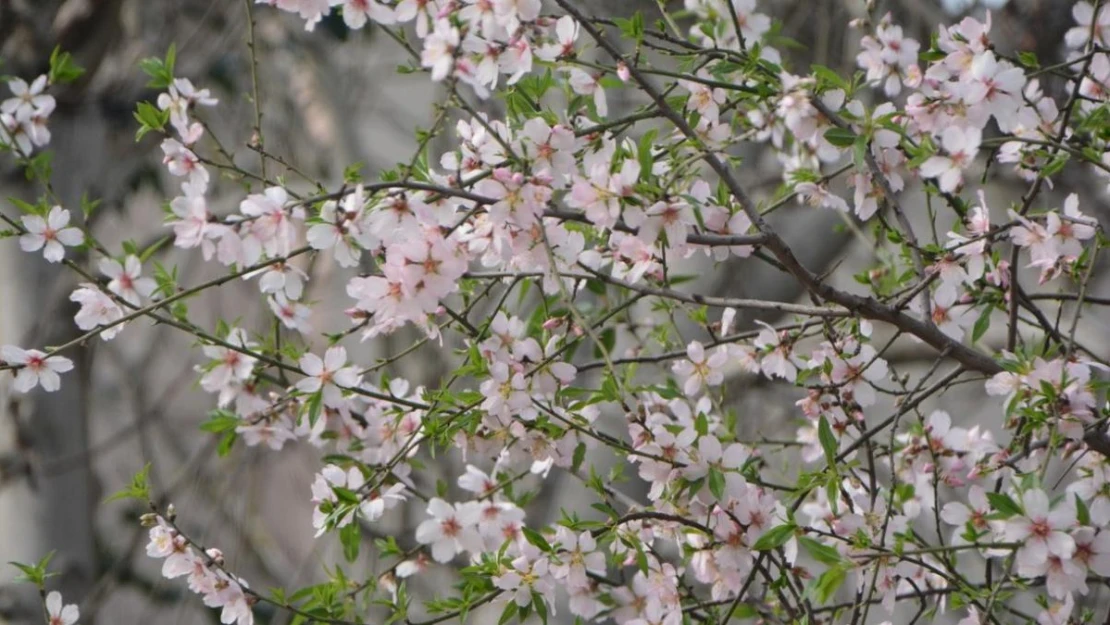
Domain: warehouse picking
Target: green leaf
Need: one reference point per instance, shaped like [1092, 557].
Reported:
[219, 422]
[1082, 512]
[701, 424]
[717, 483]
[314, 406]
[828, 441]
[150, 118]
[982, 324]
[226, 443]
[541, 607]
[352, 174]
[840, 137]
[138, 489]
[34, 573]
[62, 68]
[508, 613]
[1028, 59]
[159, 70]
[821, 552]
[579, 456]
[351, 538]
[641, 558]
[606, 509]
[88, 206]
[632, 28]
[40, 167]
[536, 539]
[154, 247]
[608, 339]
[829, 78]
[345, 495]
[1056, 165]
[24, 207]
[744, 611]
[859, 152]
[829, 582]
[643, 153]
[775, 537]
[1003, 504]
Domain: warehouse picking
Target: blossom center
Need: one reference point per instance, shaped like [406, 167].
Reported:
[450, 527]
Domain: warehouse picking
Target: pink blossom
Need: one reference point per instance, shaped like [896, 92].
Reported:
[35, 368]
[56, 613]
[961, 146]
[51, 235]
[1040, 531]
[451, 530]
[329, 375]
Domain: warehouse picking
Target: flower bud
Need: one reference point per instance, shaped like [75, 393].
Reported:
[148, 520]
[622, 71]
[171, 513]
[215, 555]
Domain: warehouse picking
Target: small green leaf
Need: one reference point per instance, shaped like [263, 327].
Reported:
[820, 551]
[579, 456]
[606, 509]
[150, 118]
[859, 152]
[536, 539]
[1028, 59]
[829, 582]
[138, 489]
[1003, 504]
[508, 613]
[226, 443]
[315, 403]
[62, 68]
[982, 324]
[829, 78]
[219, 422]
[351, 538]
[840, 137]
[159, 70]
[828, 441]
[1082, 512]
[541, 607]
[775, 537]
[717, 483]
[34, 573]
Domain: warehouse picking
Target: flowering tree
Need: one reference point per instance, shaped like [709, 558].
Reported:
[523, 256]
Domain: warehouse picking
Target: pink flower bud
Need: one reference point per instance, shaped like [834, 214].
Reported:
[553, 323]
[622, 71]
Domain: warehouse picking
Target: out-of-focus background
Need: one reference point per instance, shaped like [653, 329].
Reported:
[331, 98]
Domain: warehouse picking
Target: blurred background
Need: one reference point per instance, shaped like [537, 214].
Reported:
[331, 98]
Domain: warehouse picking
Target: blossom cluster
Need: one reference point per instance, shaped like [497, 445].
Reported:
[596, 220]
[203, 571]
[24, 116]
